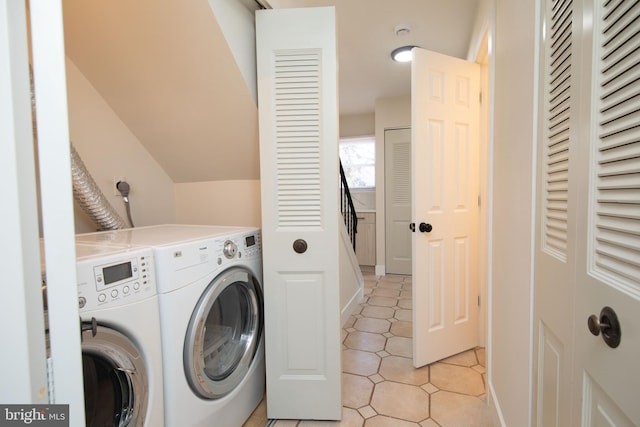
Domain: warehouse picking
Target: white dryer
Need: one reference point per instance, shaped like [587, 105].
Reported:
[211, 309]
[121, 344]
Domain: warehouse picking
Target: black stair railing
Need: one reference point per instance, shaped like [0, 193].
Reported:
[347, 208]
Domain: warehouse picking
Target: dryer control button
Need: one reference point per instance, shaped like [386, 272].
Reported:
[136, 286]
[114, 293]
[102, 297]
[125, 290]
[230, 249]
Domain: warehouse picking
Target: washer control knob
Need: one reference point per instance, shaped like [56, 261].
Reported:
[230, 249]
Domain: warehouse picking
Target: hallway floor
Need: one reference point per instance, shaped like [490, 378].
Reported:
[380, 387]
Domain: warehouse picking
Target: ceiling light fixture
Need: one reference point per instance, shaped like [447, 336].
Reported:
[402, 54]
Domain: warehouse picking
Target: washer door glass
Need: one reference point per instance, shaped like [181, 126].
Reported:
[224, 333]
[115, 379]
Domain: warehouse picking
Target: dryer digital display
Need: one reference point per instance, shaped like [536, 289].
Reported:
[250, 240]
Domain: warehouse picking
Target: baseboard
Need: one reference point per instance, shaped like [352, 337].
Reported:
[350, 307]
[380, 270]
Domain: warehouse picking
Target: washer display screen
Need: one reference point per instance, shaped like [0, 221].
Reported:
[115, 273]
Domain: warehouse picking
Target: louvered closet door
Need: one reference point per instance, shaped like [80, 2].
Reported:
[397, 157]
[608, 264]
[556, 219]
[297, 91]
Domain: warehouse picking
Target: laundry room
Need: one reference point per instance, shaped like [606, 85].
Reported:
[161, 103]
[210, 130]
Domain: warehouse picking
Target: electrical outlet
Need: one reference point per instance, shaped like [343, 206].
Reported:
[116, 180]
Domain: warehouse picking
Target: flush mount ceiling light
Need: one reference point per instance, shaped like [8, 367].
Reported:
[402, 54]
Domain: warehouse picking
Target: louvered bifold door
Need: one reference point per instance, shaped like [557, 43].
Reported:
[556, 216]
[608, 267]
[299, 170]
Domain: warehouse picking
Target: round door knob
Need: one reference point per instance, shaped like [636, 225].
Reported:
[593, 323]
[608, 325]
[300, 246]
[425, 228]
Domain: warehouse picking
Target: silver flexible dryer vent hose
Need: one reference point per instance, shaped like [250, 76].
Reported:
[86, 192]
[90, 197]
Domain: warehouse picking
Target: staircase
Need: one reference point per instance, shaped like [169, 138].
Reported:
[346, 207]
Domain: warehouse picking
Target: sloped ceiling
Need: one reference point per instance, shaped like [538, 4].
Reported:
[166, 69]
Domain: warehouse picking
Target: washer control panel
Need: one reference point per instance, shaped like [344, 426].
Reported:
[113, 279]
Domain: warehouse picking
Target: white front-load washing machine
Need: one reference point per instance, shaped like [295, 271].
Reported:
[211, 309]
[121, 344]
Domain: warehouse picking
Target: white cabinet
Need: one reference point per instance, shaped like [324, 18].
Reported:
[366, 238]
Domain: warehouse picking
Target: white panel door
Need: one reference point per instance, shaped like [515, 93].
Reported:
[397, 175]
[298, 113]
[445, 140]
[607, 378]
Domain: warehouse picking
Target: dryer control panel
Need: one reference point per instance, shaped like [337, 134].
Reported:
[115, 278]
[252, 244]
[189, 259]
[238, 246]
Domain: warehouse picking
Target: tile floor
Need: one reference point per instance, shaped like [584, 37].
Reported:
[379, 384]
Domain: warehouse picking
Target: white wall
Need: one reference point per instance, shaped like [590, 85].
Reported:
[108, 148]
[513, 210]
[351, 280]
[237, 21]
[357, 125]
[390, 113]
[219, 203]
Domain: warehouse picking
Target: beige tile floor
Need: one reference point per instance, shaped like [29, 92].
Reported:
[381, 388]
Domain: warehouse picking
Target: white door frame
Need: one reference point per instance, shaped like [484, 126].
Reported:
[486, 177]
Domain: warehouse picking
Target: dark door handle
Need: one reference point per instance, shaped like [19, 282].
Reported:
[608, 324]
[425, 228]
[300, 246]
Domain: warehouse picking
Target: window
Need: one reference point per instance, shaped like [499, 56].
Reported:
[358, 156]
